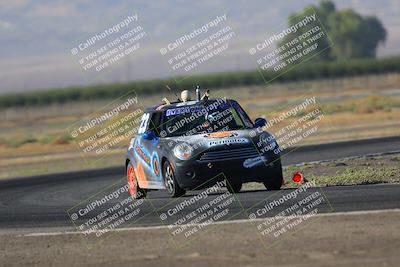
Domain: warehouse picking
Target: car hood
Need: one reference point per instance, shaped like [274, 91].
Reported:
[220, 140]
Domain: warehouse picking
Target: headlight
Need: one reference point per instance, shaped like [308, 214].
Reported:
[183, 151]
[267, 141]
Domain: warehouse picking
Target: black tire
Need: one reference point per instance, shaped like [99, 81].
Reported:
[275, 180]
[173, 188]
[134, 190]
[234, 187]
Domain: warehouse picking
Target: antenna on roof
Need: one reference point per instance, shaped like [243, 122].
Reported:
[206, 95]
[197, 92]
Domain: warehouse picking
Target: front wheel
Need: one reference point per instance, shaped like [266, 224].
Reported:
[234, 187]
[174, 190]
[274, 181]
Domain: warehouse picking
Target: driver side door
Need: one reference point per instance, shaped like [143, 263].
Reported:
[148, 168]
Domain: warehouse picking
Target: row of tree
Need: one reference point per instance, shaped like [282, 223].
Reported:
[316, 70]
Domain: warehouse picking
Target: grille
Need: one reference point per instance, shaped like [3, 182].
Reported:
[229, 154]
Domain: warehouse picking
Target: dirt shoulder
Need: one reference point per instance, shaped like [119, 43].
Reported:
[352, 240]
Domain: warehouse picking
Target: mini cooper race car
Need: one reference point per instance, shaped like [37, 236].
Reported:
[187, 145]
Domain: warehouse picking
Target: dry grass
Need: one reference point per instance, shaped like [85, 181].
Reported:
[371, 170]
[354, 108]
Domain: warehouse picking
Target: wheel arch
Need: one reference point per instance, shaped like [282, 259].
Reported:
[163, 160]
[126, 163]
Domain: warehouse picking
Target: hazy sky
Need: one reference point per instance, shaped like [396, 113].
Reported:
[36, 36]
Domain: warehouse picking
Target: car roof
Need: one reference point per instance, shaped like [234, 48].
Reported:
[156, 108]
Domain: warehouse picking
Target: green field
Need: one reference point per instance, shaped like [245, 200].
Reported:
[307, 71]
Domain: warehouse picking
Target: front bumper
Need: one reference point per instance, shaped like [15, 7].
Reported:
[196, 174]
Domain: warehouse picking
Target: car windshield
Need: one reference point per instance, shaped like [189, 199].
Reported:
[213, 116]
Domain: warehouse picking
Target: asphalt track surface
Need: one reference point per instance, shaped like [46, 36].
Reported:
[45, 201]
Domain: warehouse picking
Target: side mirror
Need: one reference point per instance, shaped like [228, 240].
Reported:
[149, 135]
[260, 122]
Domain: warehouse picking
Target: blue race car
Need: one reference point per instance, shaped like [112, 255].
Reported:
[187, 145]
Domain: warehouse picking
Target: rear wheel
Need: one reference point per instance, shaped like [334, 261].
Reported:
[275, 180]
[133, 185]
[234, 187]
[174, 190]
